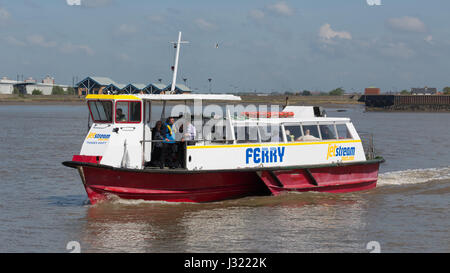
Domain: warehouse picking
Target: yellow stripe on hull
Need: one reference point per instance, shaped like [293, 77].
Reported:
[272, 144]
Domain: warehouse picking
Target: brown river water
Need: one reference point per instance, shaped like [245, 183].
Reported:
[43, 205]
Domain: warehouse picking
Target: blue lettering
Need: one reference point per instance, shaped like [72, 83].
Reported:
[273, 154]
[248, 154]
[265, 155]
[281, 153]
[256, 155]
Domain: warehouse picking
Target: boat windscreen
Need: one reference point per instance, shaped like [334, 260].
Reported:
[101, 110]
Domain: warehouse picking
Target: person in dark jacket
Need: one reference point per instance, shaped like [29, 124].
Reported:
[157, 145]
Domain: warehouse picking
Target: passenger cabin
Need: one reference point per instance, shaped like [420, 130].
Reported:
[236, 137]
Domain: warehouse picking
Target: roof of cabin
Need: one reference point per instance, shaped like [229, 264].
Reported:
[169, 97]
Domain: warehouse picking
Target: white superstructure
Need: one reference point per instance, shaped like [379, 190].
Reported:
[224, 142]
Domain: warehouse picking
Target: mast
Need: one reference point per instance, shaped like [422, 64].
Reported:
[177, 46]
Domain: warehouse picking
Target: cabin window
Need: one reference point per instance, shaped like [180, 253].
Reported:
[217, 133]
[343, 132]
[246, 134]
[128, 112]
[310, 133]
[271, 133]
[293, 132]
[327, 132]
[101, 110]
[135, 111]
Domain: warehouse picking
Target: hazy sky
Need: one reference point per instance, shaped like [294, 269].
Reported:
[263, 45]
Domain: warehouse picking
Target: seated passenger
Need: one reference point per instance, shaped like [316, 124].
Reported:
[326, 133]
[289, 137]
[307, 137]
[120, 116]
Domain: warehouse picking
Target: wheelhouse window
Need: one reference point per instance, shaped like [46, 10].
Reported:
[327, 132]
[101, 110]
[310, 133]
[128, 112]
[246, 134]
[343, 132]
[293, 132]
[270, 133]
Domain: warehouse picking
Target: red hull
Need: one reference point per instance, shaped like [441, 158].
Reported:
[207, 186]
[171, 187]
[337, 179]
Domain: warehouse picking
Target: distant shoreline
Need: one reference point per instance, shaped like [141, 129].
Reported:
[41, 100]
[325, 101]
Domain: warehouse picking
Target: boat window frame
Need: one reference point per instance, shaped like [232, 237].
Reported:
[333, 125]
[246, 125]
[281, 132]
[284, 124]
[346, 124]
[128, 116]
[312, 123]
[92, 116]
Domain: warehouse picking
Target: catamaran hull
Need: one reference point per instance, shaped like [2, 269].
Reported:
[335, 179]
[101, 182]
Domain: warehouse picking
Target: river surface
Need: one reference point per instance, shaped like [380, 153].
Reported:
[43, 205]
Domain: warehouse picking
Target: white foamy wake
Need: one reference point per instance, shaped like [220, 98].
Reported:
[413, 176]
[113, 199]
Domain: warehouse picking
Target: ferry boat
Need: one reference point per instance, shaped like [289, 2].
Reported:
[297, 148]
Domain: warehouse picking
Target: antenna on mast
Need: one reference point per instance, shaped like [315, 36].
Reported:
[177, 46]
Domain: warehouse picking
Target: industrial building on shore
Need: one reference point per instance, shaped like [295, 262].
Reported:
[89, 85]
[27, 86]
[104, 85]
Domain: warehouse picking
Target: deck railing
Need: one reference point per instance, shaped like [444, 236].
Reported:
[368, 144]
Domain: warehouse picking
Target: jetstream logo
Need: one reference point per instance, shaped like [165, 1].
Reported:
[99, 137]
[346, 153]
[264, 155]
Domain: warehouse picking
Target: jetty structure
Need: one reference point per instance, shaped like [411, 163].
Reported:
[390, 102]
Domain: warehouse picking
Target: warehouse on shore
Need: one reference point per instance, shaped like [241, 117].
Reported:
[7, 86]
[104, 85]
[45, 87]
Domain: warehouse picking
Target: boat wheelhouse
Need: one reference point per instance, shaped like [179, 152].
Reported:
[235, 153]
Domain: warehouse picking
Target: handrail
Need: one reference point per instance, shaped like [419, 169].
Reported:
[368, 144]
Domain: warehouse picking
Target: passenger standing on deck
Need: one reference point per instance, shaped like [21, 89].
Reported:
[190, 134]
[157, 145]
[169, 144]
